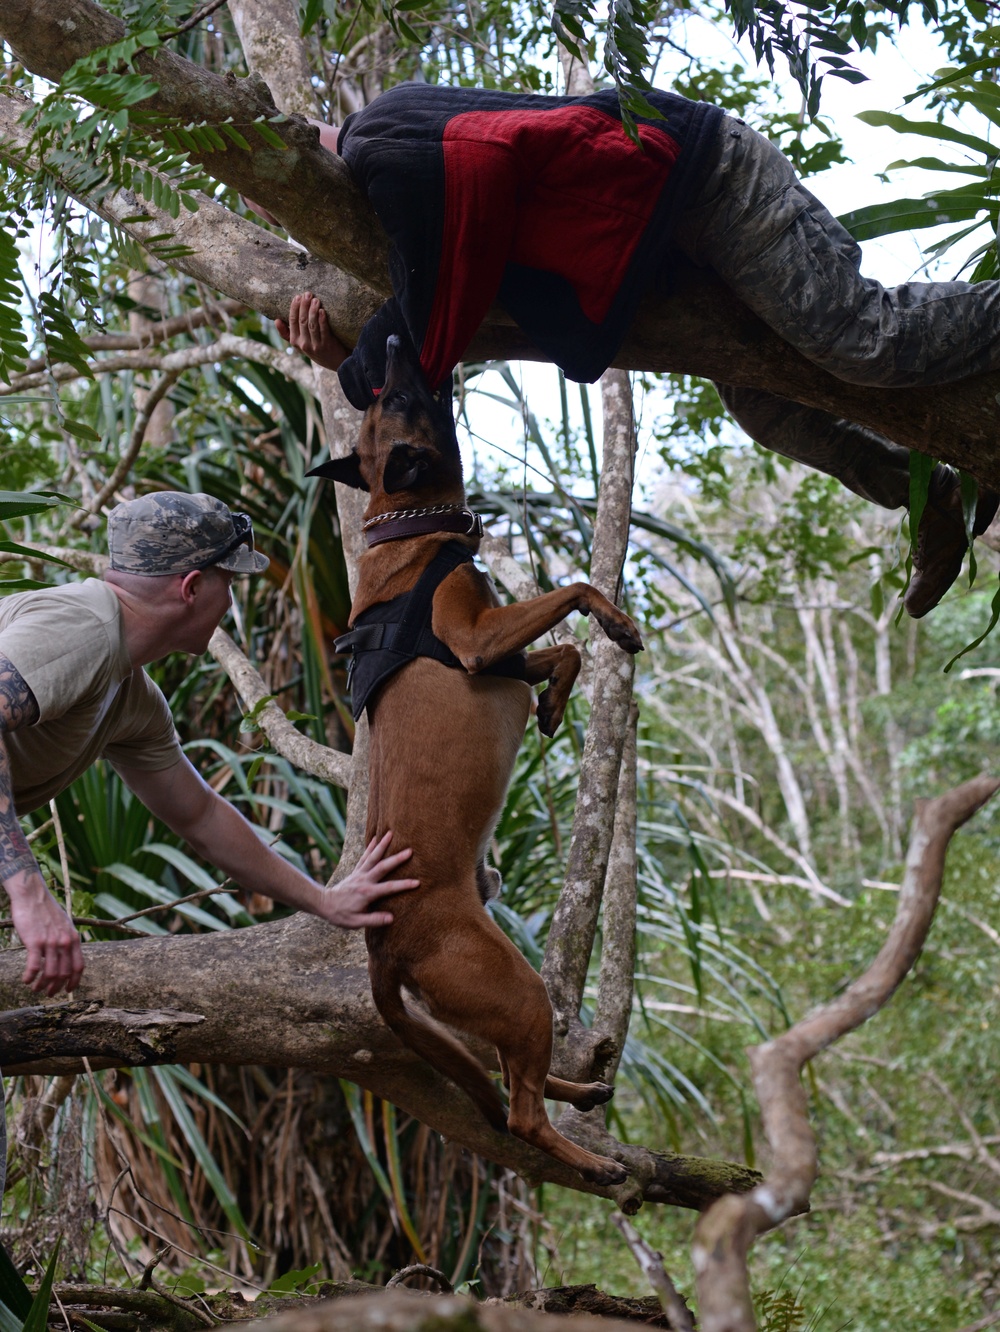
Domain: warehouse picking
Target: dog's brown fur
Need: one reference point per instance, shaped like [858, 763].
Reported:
[443, 746]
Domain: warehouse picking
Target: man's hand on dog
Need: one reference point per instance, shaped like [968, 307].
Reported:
[347, 904]
[308, 330]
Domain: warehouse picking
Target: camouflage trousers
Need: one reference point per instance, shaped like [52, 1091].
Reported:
[786, 257]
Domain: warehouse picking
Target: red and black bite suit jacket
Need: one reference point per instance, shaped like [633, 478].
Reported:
[541, 203]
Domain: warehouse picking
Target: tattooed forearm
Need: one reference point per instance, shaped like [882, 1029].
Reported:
[18, 707]
[15, 853]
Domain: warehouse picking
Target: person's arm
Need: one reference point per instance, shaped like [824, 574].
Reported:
[217, 831]
[55, 958]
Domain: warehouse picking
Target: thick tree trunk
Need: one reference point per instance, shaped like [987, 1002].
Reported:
[293, 994]
[700, 329]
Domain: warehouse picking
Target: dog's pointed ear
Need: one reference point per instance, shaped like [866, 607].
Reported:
[345, 470]
[403, 469]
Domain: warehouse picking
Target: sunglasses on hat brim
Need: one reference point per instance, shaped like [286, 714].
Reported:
[242, 536]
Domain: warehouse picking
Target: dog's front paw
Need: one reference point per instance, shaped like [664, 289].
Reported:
[626, 634]
[618, 626]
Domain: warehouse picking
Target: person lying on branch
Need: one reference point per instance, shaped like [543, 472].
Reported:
[546, 206]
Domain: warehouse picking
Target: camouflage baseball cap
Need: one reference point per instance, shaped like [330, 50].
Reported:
[169, 532]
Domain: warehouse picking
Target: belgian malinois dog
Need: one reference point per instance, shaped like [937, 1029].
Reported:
[445, 730]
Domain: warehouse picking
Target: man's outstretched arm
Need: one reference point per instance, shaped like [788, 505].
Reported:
[220, 833]
[55, 959]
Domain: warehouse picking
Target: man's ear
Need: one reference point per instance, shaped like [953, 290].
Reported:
[345, 470]
[190, 585]
[405, 465]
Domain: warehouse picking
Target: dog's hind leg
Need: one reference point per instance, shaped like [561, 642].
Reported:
[582, 1095]
[559, 665]
[524, 1059]
[440, 1049]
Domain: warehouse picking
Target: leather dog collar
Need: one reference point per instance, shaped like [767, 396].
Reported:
[419, 522]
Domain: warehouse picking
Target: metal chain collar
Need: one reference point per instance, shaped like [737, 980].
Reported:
[393, 514]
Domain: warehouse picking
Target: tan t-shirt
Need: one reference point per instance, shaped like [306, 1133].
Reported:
[68, 643]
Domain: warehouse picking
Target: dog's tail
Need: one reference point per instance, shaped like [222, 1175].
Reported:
[432, 1042]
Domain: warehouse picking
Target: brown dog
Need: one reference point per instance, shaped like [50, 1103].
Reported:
[443, 746]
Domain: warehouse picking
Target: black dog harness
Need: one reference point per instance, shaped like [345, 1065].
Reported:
[388, 635]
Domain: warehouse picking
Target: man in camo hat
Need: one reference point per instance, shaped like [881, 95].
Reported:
[172, 533]
[72, 690]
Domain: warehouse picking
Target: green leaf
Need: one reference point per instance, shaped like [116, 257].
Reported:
[291, 1282]
[885, 219]
[994, 620]
[200, 1150]
[969, 489]
[79, 430]
[181, 861]
[235, 136]
[38, 1315]
[149, 888]
[12, 548]
[134, 1129]
[13, 342]
[352, 1095]
[930, 129]
[22, 504]
[9, 1321]
[268, 135]
[921, 468]
[62, 342]
[14, 1293]
[21, 585]
[311, 13]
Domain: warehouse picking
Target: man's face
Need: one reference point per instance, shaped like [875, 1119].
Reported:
[208, 598]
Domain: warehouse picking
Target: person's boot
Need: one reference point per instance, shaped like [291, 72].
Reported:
[941, 541]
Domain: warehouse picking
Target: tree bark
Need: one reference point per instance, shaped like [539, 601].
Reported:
[409, 1311]
[90, 1030]
[700, 329]
[293, 994]
[727, 1230]
[574, 924]
[272, 47]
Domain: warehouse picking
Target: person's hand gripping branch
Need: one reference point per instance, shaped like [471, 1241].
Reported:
[308, 330]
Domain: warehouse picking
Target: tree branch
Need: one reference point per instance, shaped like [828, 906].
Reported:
[302, 751]
[273, 48]
[227, 252]
[725, 1233]
[213, 314]
[227, 347]
[574, 923]
[158, 391]
[615, 981]
[294, 994]
[122, 1036]
[651, 1265]
[700, 329]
